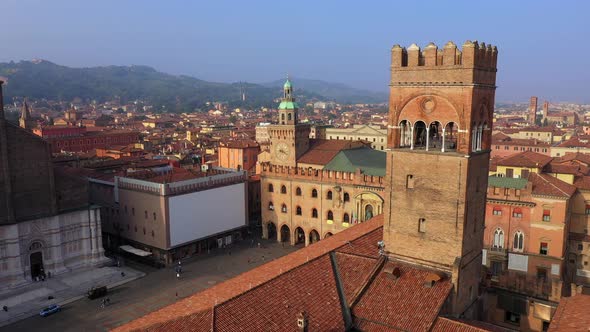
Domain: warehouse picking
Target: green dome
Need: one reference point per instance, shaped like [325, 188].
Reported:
[288, 105]
[287, 84]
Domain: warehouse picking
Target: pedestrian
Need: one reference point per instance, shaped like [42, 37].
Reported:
[5, 308]
[252, 243]
[258, 245]
[108, 301]
[176, 294]
[122, 274]
[229, 252]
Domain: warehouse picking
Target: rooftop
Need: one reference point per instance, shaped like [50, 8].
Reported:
[371, 162]
[572, 314]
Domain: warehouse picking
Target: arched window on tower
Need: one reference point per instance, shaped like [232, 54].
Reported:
[330, 215]
[284, 208]
[289, 117]
[314, 193]
[329, 194]
[298, 210]
[283, 190]
[298, 191]
[346, 218]
[271, 206]
[283, 118]
[270, 188]
[346, 197]
[314, 213]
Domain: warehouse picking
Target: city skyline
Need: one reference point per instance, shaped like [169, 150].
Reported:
[261, 42]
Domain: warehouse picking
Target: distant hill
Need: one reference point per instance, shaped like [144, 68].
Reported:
[43, 79]
[336, 91]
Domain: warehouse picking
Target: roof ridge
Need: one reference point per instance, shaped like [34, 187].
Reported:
[553, 184]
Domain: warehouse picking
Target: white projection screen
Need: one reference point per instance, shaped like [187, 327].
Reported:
[201, 214]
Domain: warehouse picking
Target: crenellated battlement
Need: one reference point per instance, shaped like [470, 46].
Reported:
[474, 54]
[322, 175]
[475, 63]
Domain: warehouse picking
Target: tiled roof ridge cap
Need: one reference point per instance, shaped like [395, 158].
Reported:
[554, 186]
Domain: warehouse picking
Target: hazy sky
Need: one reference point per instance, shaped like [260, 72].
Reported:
[544, 46]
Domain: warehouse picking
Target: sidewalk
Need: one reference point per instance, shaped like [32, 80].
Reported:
[28, 300]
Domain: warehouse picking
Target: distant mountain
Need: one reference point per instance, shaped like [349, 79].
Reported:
[43, 79]
[336, 91]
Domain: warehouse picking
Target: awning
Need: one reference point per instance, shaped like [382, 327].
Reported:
[135, 251]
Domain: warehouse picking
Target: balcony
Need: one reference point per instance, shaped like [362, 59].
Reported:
[522, 283]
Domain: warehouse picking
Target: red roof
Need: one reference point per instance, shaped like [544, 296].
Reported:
[548, 185]
[572, 314]
[322, 151]
[526, 159]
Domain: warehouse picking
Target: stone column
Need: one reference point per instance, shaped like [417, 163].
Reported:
[443, 140]
[427, 138]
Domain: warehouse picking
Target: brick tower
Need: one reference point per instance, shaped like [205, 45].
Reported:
[533, 110]
[440, 115]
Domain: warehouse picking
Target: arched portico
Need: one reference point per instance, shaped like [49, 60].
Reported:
[368, 205]
[285, 234]
[314, 236]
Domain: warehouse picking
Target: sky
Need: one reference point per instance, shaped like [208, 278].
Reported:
[543, 45]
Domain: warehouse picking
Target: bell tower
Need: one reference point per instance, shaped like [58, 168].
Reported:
[440, 115]
[289, 139]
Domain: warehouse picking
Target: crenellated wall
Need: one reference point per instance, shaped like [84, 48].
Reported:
[336, 177]
[444, 65]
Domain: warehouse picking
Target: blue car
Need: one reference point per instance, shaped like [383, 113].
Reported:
[50, 310]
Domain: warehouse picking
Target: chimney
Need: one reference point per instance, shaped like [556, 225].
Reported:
[302, 322]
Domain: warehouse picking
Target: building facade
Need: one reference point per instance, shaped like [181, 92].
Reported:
[313, 188]
[46, 224]
[525, 249]
[434, 216]
[375, 135]
[168, 213]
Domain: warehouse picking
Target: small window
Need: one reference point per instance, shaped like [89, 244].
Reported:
[284, 208]
[154, 216]
[496, 268]
[498, 239]
[314, 213]
[298, 210]
[270, 188]
[329, 194]
[410, 181]
[283, 190]
[330, 215]
[497, 211]
[345, 218]
[587, 209]
[517, 213]
[346, 197]
[544, 248]
[271, 206]
[512, 318]
[580, 247]
[546, 215]
[541, 273]
[496, 191]
[298, 191]
[133, 211]
[422, 225]
[314, 193]
[153, 234]
[145, 213]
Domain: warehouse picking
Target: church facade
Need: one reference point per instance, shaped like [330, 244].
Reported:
[46, 224]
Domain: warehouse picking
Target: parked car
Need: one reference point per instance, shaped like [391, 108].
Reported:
[97, 292]
[50, 310]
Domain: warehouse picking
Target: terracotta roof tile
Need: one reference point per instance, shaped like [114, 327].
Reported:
[443, 324]
[544, 184]
[322, 151]
[354, 271]
[526, 159]
[572, 314]
[242, 283]
[582, 182]
[274, 306]
[364, 246]
[405, 303]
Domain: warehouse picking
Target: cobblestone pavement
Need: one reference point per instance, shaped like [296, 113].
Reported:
[156, 290]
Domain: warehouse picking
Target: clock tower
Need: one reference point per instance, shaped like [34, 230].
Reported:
[288, 139]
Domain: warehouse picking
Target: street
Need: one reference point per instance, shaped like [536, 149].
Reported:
[157, 289]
